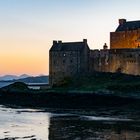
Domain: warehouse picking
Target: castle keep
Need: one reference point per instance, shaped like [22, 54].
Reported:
[67, 60]
[72, 58]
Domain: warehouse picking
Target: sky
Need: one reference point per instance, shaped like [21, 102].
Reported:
[28, 28]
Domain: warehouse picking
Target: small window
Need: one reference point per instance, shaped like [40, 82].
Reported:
[64, 61]
[71, 53]
[71, 61]
[129, 56]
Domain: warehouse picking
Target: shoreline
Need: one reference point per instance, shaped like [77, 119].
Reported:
[19, 94]
[65, 100]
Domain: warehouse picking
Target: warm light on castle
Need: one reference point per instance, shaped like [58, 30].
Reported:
[127, 35]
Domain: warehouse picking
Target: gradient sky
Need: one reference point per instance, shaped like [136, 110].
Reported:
[28, 27]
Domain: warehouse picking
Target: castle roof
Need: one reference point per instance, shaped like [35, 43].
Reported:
[68, 46]
[128, 26]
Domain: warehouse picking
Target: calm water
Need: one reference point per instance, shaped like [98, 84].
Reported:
[30, 124]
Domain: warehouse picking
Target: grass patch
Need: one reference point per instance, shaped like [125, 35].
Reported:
[101, 81]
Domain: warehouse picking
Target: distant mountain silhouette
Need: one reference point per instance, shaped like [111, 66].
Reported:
[38, 79]
[13, 77]
[24, 76]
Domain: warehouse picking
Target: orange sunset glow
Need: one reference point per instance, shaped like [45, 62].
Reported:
[21, 57]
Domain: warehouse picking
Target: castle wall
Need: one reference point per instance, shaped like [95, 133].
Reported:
[84, 60]
[99, 60]
[125, 39]
[94, 60]
[70, 63]
[63, 64]
[117, 60]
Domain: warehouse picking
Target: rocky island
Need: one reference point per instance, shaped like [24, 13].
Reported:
[98, 90]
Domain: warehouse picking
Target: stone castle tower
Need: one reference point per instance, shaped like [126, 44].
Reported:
[73, 58]
[66, 59]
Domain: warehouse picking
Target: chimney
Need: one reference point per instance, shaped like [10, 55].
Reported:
[54, 42]
[122, 21]
[59, 42]
[85, 41]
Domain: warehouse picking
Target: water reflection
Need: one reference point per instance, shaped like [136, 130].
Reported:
[23, 124]
[75, 128]
[29, 124]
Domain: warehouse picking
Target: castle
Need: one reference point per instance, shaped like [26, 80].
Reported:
[74, 58]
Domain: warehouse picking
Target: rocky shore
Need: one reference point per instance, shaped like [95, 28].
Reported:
[18, 94]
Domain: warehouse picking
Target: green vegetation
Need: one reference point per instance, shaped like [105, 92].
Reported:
[99, 83]
[105, 82]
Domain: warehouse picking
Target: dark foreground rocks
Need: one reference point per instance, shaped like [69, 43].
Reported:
[64, 100]
[18, 94]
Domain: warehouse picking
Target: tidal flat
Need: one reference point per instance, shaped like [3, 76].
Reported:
[66, 124]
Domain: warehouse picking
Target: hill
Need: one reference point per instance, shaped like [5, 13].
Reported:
[13, 77]
[38, 79]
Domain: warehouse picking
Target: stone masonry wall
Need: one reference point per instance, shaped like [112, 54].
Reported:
[117, 60]
[63, 64]
[125, 39]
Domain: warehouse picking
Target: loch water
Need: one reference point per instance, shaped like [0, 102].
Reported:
[42, 124]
